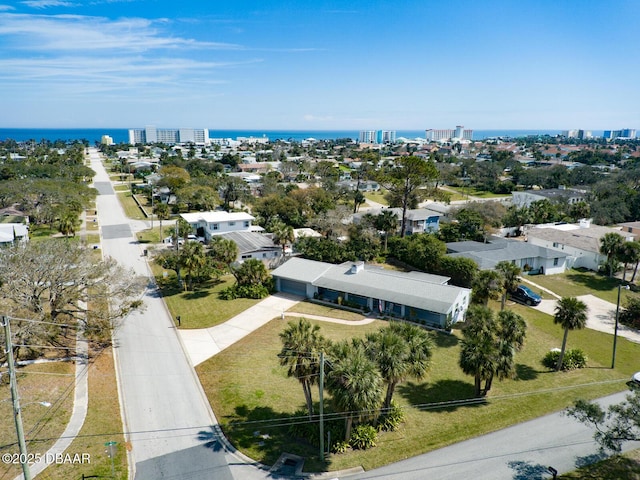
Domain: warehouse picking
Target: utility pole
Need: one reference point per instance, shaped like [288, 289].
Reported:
[17, 415]
[321, 407]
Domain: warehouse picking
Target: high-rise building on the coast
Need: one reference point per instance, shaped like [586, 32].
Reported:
[629, 133]
[577, 133]
[377, 136]
[459, 133]
[170, 136]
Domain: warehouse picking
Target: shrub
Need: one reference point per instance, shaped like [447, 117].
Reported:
[363, 437]
[391, 420]
[573, 359]
[630, 316]
[340, 447]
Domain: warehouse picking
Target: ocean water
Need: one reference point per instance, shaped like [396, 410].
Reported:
[121, 135]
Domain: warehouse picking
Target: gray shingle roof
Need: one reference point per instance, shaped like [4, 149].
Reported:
[250, 241]
[416, 289]
[487, 255]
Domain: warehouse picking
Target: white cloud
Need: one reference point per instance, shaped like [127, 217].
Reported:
[75, 33]
[6, 8]
[48, 3]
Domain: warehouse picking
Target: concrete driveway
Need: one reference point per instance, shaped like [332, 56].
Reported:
[601, 316]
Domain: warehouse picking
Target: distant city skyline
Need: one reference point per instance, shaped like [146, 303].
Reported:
[322, 65]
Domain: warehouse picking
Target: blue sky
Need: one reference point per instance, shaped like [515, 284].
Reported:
[320, 65]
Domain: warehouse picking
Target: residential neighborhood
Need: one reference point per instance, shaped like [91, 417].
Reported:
[427, 253]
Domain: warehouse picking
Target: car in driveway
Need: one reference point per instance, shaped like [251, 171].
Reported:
[524, 294]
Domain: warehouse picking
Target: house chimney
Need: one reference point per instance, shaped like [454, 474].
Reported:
[585, 222]
[357, 267]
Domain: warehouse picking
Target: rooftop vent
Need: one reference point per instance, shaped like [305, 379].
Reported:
[357, 267]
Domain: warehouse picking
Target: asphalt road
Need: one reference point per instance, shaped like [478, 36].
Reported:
[168, 423]
[520, 452]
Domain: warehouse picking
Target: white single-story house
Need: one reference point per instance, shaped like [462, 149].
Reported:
[419, 297]
[11, 233]
[580, 242]
[530, 258]
[208, 224]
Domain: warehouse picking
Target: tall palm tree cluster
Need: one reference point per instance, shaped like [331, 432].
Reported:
[489, 345]
[359, 371]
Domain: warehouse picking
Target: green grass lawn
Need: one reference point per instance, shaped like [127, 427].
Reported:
[377, 197]
[316, 309]
[131, 208]
[625, 466]
[573, 283]
[249, 392]
[200, 308]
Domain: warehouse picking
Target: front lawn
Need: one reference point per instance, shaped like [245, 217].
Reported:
[315, 309]
[199, 308]
[574, 283]
[254, 400]
[378, 197]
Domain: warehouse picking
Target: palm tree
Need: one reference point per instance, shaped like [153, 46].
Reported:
[571, 314]
[161, 211]
[387, 221]
[354, 382]
[509, 338]
[223, 250]
[477, 351]
[302, 343]
[400, 350]
[486, 285]
[510, 276]
[67, 223]
[192, 258]
[629, 253]
[489, 346]
[283, 234]
[610, 245]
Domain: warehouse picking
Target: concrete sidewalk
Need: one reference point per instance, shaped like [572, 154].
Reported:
[203, 343]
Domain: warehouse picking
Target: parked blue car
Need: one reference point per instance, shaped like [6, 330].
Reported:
[525, 295]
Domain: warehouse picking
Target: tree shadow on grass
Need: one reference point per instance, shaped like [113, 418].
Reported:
[614, 467]
[445, 340]
[443, 395]
[593, 281]
[525, 372]
[269, 432]
[196, 294]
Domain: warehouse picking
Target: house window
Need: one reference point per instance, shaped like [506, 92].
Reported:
[555, 244]
[264, 255]
[246, 224]
[244, 257]
[232, 224]
[215, 226]
[555, 262]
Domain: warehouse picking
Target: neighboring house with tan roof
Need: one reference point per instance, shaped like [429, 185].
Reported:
[631, 227]
[581, 241]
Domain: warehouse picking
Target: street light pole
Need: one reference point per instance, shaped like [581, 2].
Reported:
[17, 415]
[615, 331]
